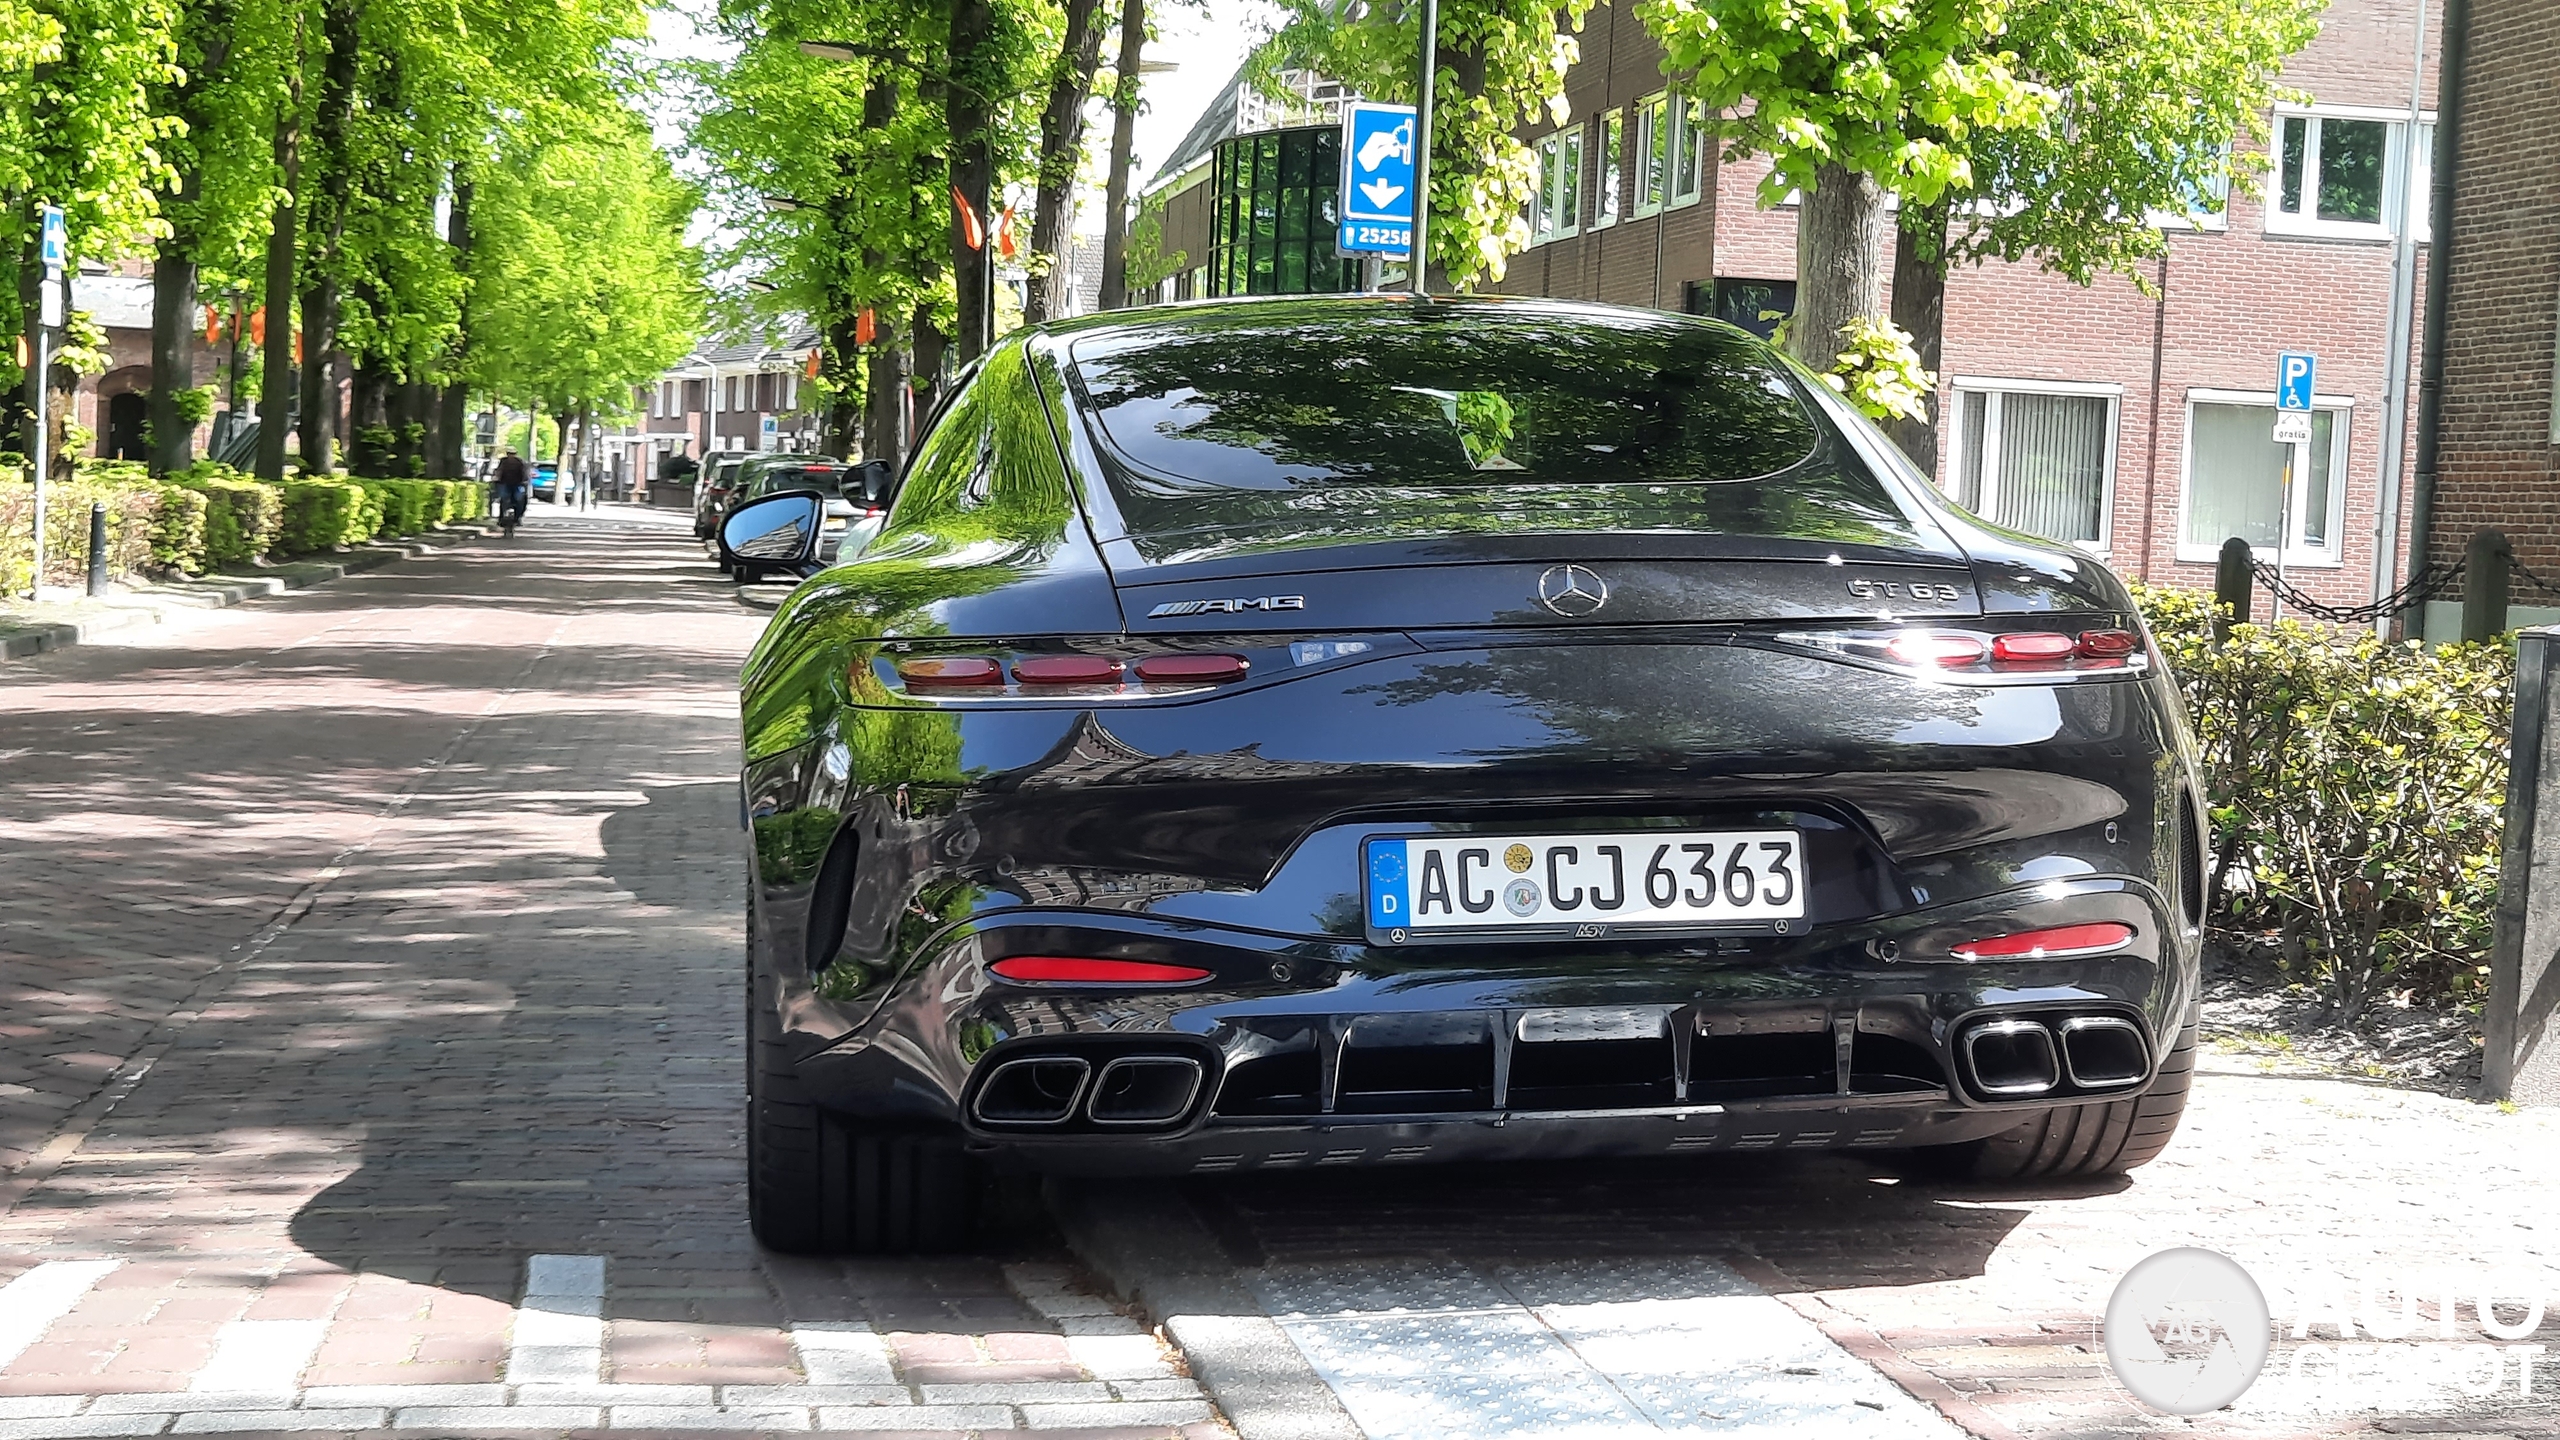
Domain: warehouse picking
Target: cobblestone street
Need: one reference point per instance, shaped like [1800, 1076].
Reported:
[398, 920]
[369, 965]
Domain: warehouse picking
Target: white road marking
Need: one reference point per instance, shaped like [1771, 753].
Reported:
[558, 1338]
[259, 1357]
[845, 1353]
[1581, 1350]
[31, 1303]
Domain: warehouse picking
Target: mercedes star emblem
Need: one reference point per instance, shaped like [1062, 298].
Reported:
[1572, 591]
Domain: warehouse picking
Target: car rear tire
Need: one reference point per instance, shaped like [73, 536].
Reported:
[819, 1183]
[2071, 1142]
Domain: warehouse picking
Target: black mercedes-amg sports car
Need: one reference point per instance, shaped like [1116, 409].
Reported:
[1366, 730]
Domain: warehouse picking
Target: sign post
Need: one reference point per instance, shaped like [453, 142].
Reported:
[52, 248]
[1377, 202]
[2296, 376]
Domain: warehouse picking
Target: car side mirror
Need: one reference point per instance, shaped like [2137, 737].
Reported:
[874, 483]
[775, 531]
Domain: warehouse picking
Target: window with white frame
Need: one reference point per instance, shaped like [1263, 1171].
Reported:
[667, 398]
[1613, 141]
[1688, 150]
[2241, 482]
[1653, 153]
[2035, 455]
[2345, 172]
[2208, 205]
[1556, 210]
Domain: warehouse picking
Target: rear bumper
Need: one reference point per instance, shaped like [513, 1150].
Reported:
[1344, 1055]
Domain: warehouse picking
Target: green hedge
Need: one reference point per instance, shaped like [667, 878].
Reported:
[324, 515]
[243, 518]
[2356, 790]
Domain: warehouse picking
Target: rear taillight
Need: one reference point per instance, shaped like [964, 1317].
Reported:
[1194, 669]
[1067, 670]
[1980, 654]
[2061, 942]
[1078, 970]
[943, 672]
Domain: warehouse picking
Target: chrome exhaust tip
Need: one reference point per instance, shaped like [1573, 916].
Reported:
[2104, 1052]
[2011, 1059]
[1033, 1090]
[1145, 1090]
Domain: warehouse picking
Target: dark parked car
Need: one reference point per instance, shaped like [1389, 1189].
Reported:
[712, 486]
[1367, 731]
[848, 520]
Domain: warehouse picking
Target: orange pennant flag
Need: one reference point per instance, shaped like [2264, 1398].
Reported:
[212, 326]
[866, 328]
[258, 325]
[970, 231]
[812, 367]
[1005, 245]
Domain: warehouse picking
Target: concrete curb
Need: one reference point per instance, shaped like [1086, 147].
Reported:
[215, 592]
[1154, 1251]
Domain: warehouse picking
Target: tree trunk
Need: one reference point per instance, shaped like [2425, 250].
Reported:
[336, 182]
[924, 382]
[368, 420]
[884, 403]
[1124, 132]
[275, 394]
[22, 404]
[1920, 307]
[453, 406]
[173, 355]
[973, 167]
[1061, 148]
[1839, 263]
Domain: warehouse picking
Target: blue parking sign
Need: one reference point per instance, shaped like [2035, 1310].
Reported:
[1377, 179]
[2295, 372]
[50, 241]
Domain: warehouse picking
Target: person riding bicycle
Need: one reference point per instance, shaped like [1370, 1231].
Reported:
[514, 489]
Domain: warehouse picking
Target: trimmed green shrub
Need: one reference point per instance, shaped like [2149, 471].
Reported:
[405, 505]
[133, 510]
[178, 530]
[242, 517]
[324, 515]
[2356, 790]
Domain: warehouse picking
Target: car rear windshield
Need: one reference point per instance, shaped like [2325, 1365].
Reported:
[1217, 418]
[798, 477]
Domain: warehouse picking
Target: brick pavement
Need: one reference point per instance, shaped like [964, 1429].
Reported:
[1985, 1303]
[370, 966]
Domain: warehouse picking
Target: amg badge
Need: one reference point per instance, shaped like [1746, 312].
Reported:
[1172, 608]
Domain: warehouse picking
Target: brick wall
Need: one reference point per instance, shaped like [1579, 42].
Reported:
[2496, 464]
[2234, 299]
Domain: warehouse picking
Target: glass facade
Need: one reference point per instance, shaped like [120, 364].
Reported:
[1272, 215]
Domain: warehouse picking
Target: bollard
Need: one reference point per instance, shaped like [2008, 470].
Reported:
[97, 547]
[2234, 585]
[2484, 586]
[2520, 1044]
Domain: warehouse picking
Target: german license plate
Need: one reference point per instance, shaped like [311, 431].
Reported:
[1587, 884]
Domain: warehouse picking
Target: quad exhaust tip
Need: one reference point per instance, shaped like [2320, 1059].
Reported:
[1052, 1090]
[2020, 1057]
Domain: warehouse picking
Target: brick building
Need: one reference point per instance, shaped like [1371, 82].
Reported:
[2132, 425]
[2498, 461]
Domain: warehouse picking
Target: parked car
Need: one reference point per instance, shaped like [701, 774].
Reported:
[712, 486]
[549, 484]
[1385, 730]
[848, 521]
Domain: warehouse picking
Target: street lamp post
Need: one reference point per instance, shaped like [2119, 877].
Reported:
[1421, 256]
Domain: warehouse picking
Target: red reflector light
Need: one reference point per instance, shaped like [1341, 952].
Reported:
[951, 670]
[1068, 970]
[1936, 648]
[2033, 645]
[1067, 670]
[2108, 644]
[2063, 940]
[1191, 669]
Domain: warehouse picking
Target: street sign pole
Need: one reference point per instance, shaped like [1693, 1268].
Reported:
[1419, 261]
[2297, 377]
[50, 252]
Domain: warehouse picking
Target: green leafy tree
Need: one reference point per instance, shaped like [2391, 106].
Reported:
[1850, 100]
[2153, 95]
[1501, 65]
